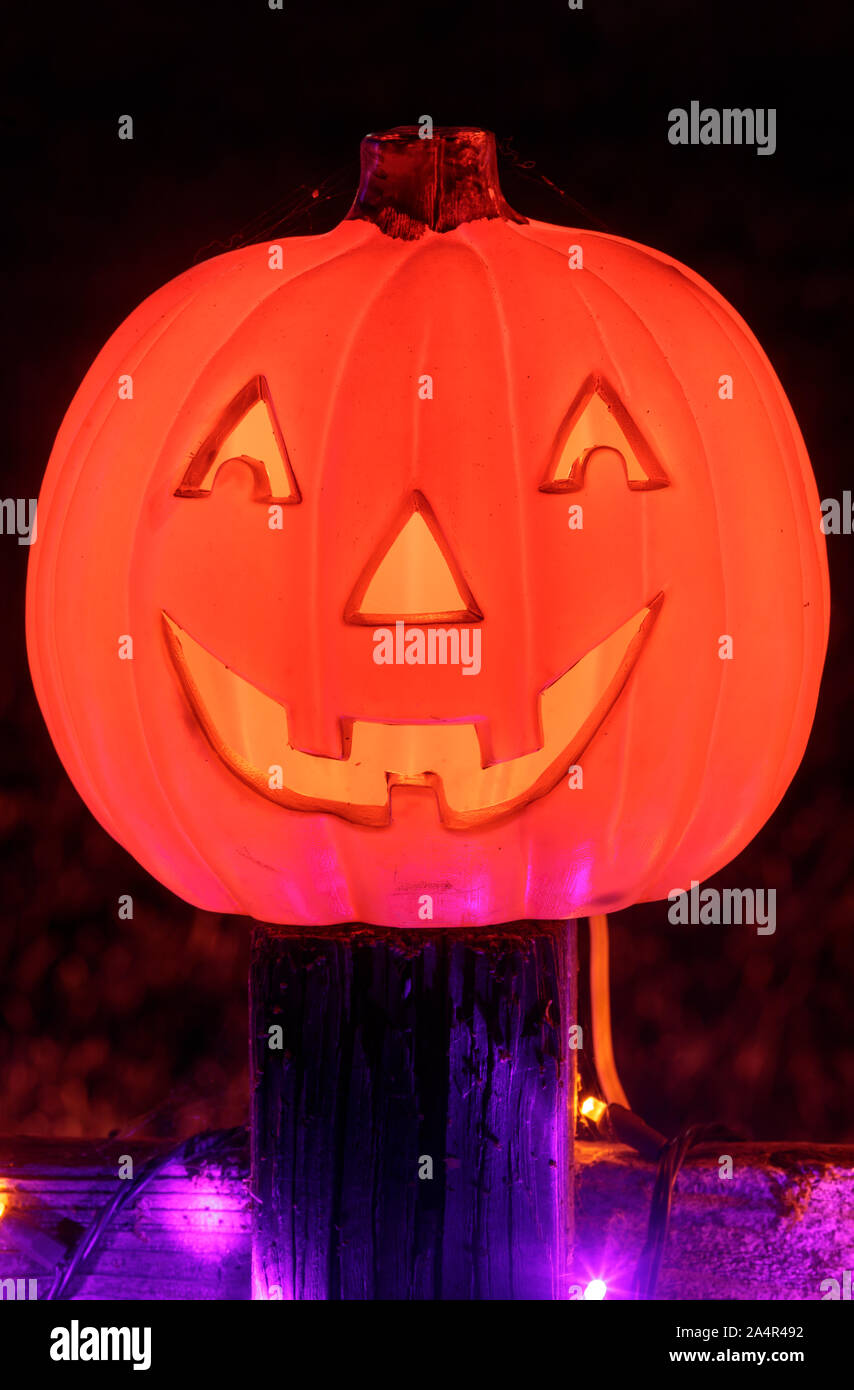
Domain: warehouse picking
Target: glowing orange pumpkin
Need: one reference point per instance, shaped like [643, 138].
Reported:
[455, 579]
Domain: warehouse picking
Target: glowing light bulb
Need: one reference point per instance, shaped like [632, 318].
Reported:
[596, 1289]
[2, 1205]
[593, 1109]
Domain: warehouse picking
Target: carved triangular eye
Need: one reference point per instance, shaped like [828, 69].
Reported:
[597, 419]
[247, 430]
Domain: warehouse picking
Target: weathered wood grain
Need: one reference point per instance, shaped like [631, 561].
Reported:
[187, 1236]
[780, 1227]
[412, 1137]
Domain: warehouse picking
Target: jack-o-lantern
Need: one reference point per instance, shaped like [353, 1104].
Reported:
[446, 567]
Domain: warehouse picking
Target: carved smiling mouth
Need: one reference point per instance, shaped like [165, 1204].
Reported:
[249, 731]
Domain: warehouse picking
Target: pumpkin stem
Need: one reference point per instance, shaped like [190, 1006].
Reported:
[411, 182]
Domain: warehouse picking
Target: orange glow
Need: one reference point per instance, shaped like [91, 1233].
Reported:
[600, 1013]
[413, 576]
[250, 733]
[598, 420]
[250, 433]
[255, 755]
[593, 1109]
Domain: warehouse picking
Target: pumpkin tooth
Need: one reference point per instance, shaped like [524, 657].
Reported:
[249, 731]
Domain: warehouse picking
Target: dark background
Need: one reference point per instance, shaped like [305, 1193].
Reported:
[248, 121]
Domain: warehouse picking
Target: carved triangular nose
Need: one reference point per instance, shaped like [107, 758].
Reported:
[413, 576]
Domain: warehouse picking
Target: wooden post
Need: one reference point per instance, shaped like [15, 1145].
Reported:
[412, 1123]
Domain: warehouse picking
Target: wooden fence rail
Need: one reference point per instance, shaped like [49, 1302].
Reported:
[781, 1227]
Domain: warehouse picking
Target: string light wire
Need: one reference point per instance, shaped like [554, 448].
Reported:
[211, 1144]
[615, 1119]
